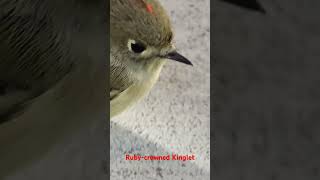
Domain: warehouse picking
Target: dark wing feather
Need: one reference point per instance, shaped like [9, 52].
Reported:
[119, 80]
[33, 57]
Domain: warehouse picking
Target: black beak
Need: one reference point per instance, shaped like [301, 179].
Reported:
[177, 57]
[249, 4]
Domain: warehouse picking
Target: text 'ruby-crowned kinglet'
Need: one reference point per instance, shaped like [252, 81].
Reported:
[141, 42]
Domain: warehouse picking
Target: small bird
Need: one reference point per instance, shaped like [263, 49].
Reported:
[141, 42]
[248, 4]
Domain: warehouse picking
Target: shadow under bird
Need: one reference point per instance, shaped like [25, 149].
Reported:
[141, 43]
[52, 75]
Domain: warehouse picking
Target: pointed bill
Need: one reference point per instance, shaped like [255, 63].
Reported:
[177, 57]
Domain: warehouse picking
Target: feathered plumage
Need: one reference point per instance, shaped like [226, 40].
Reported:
[37, 47]
[52, 74]
[132, 75]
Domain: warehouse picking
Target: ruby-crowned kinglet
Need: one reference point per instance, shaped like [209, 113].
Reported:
[141, 42]
[249, 4]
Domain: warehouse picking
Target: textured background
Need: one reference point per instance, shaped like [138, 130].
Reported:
[268, 91]
[174, 117]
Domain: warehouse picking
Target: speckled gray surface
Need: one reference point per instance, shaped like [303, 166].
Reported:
[174, 117]
[267, 125]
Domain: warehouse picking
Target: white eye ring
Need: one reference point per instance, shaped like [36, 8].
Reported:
[136, 47]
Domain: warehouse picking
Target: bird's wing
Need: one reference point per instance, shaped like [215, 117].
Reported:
[33, 58]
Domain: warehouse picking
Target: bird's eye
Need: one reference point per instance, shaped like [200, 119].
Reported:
[136, 47]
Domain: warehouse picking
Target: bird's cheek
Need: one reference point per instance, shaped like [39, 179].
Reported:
[155, 63]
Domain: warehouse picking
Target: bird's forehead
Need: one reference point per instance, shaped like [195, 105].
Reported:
[143, 4]
[143, 19]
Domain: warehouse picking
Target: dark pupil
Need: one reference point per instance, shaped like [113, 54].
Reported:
[137, 47]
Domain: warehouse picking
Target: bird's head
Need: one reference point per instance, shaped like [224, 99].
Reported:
[141, 33]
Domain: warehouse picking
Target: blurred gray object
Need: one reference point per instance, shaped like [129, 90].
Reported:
[267, 92]
[53, 54]
[248, 4]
